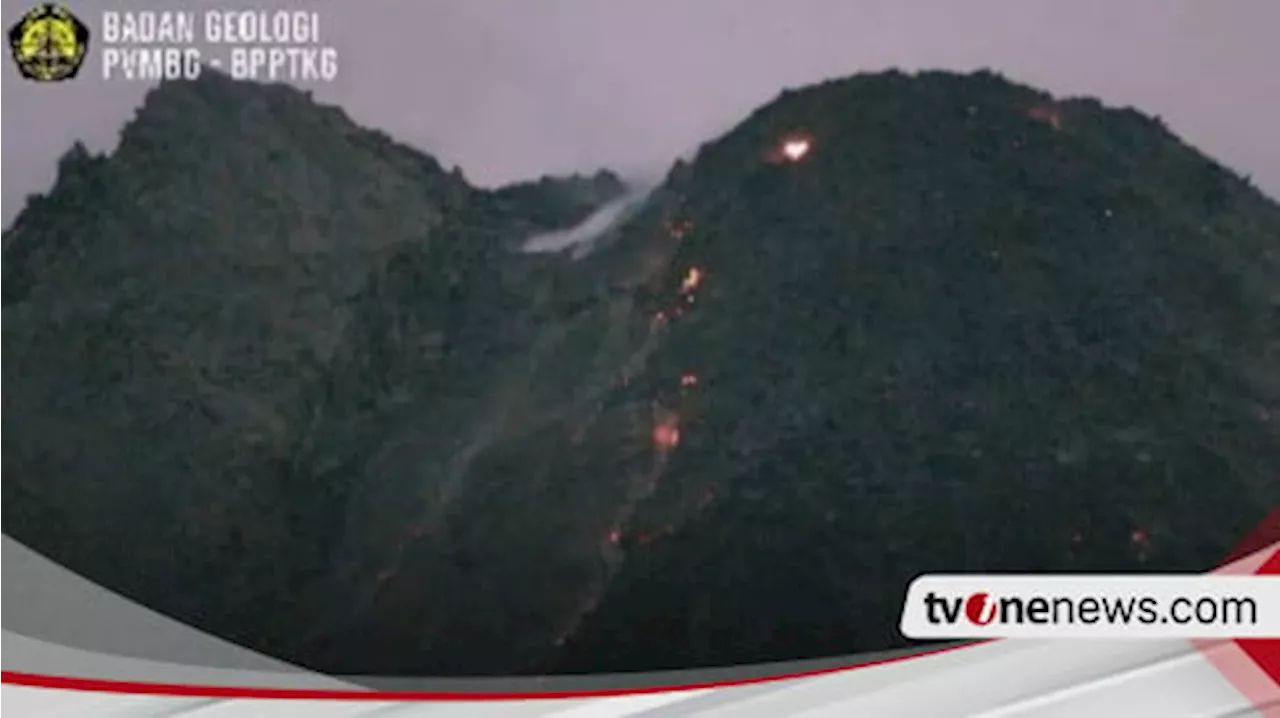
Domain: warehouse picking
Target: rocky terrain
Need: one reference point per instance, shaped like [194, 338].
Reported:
[285, 379]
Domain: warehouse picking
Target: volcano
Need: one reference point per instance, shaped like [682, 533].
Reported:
[294, 383]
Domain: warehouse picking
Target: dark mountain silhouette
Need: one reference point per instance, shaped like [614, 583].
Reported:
[285, 379]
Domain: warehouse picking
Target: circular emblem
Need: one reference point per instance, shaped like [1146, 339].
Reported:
[49, 44]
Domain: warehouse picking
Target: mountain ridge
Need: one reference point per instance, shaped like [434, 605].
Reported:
[885, 324]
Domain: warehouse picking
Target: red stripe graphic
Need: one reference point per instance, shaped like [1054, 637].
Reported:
[1252, 665]
[204, 691]
[1265, 534]
[1264, 653]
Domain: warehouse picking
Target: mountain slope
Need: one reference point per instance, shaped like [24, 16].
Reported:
[194, 339]
[973, 329]
[886, 325]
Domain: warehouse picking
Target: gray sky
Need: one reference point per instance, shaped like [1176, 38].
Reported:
[511, 89]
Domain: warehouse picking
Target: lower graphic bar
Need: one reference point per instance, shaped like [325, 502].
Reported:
[1092, 606]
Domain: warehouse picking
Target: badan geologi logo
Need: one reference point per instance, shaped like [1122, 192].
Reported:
[49, 44]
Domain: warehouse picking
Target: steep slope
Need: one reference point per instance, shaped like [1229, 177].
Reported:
[973, 328]
[886, 325]
[168, 309]
[500, 528]
[197, 340]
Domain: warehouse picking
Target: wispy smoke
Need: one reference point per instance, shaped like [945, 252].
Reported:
[583, 237]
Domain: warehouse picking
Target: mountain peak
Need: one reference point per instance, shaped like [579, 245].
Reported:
[886, 325]
[214, 108]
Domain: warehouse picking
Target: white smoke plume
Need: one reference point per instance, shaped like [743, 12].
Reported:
[581, 239]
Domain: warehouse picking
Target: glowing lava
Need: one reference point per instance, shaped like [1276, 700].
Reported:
[691, 280]
[795, 149]
[666, 435]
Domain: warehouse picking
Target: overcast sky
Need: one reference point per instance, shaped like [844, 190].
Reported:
[511, 89]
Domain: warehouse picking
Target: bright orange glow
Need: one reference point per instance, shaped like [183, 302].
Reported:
[795, 149]
[689, 380]
[666, 436]
[691, 280]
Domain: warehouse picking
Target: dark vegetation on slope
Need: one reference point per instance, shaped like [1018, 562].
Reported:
[976, 329]
[285, 379]
[555, 202]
